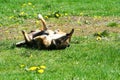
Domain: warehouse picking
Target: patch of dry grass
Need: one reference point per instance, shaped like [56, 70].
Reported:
[83, 26]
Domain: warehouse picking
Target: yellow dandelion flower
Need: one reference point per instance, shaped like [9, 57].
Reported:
[43, 67]
[22, 13]
[37, 22]
[79, 22]
[97, 17]
[99, 33]
[29, 3]
[11, 17]
[0, 25]
[33, 68]
[7, 31]
[23, 5]
[22, 65]
[57, 15]
[81, 14]
[98, 38]
[118, 25]
[66, 14]
[46, 17]
[31, 55]
[40, 71]
[78, 29]
[33, 6]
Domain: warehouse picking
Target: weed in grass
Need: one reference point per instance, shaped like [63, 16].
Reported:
[102, 35]
[56, 14]
[105, 33]
[112, 24]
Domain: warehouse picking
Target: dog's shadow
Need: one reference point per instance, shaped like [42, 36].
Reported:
[34, 47]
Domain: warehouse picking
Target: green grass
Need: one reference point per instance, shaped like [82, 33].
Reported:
[112, 24]
[104, 7]
[86, 58]
[13, 8]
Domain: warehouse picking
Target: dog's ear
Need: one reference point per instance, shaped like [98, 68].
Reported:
[71, 32]
[69, 35]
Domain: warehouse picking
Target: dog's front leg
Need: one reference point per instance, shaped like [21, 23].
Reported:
[26, 37]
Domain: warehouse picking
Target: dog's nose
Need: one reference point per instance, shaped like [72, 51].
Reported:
[68, 45]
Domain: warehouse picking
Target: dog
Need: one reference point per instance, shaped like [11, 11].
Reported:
[46, 38]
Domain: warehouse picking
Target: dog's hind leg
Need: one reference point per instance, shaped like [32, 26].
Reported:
[43, 22]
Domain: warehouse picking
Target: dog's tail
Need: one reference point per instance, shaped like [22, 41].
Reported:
[20, 44]
[40, 17]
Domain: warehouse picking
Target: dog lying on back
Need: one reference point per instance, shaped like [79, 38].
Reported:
[45, 38]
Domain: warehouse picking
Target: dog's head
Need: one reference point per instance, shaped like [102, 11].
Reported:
[62, 42]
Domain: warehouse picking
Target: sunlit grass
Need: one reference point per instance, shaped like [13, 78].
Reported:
[90, 57]
[29, 9]
[86, 59]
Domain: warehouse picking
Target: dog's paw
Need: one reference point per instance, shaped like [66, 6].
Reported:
[40, 16]
[23, 31]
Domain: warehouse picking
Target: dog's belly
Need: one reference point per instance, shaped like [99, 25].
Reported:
[56, 36]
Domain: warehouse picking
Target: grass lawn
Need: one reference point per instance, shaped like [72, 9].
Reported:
[15, 11]
[94, 53]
